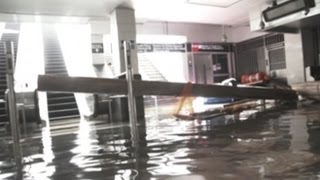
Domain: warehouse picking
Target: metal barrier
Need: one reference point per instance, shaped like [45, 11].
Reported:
[14, 123]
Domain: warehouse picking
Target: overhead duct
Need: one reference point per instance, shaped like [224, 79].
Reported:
[287, 8]
[289, 16]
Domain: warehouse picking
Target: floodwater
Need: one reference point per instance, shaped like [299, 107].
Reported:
[277, 144]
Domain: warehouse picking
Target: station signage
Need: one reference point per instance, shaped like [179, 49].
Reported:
[161, 48]
[209, 47]
[97, 48]
[97, 53]
[188, 47]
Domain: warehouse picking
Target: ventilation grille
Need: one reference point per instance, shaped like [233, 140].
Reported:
[276, 51]
[274, 39]
[250, 44]
[277, 59]
[247, 62]
[251, 54]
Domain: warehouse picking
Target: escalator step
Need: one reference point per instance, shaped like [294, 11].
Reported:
[59, 95]
[60, 100]
[64, 117]
[54, 107]
[65, 112]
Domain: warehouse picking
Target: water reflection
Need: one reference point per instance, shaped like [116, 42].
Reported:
[38, 165]
[278, 144]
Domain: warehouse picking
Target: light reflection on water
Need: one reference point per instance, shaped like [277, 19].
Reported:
[273, 145]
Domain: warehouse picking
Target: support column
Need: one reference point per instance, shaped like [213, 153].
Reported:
[123, 28]
[295, 71]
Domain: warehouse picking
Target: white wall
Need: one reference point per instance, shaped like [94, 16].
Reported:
[100, 27]
[198, 32]
[243, 33]
[193, 32]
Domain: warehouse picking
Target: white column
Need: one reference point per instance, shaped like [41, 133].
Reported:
[123, 28]
[294, 58]
[30, 52]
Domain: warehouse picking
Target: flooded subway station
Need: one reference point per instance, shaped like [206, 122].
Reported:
[280, 143]
[142, 90]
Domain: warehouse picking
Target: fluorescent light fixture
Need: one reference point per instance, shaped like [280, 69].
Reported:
[215, 3]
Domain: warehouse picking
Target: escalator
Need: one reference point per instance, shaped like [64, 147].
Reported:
[60, 105]
[3, 80]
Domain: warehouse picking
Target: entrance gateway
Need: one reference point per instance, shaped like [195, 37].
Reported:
[210, 62]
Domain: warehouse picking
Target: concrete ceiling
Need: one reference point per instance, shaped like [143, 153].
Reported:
[146, 10]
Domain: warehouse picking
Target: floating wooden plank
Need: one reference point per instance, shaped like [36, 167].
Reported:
[213, 113]
[309, 90]
[119, 86]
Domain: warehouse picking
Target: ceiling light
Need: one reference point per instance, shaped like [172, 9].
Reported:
[224, 35]
[215, 3]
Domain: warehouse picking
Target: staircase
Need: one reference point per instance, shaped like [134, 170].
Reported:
[146, 68]
[60, 105]
[3, 79]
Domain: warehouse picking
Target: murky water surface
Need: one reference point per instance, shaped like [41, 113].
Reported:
[279, 144]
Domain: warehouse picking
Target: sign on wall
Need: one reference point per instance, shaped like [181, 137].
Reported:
[189, 47]
[161, 48]
[97, 48]
[209, 47]
[97, 53]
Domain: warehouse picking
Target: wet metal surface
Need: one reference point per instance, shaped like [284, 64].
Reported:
[281, 144]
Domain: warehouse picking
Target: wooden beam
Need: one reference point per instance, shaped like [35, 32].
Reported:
[309, 90]
[119, 86]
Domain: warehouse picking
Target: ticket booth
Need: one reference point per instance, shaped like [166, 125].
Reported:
[210, 63]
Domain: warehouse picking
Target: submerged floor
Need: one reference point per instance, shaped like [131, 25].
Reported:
[279, 144]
